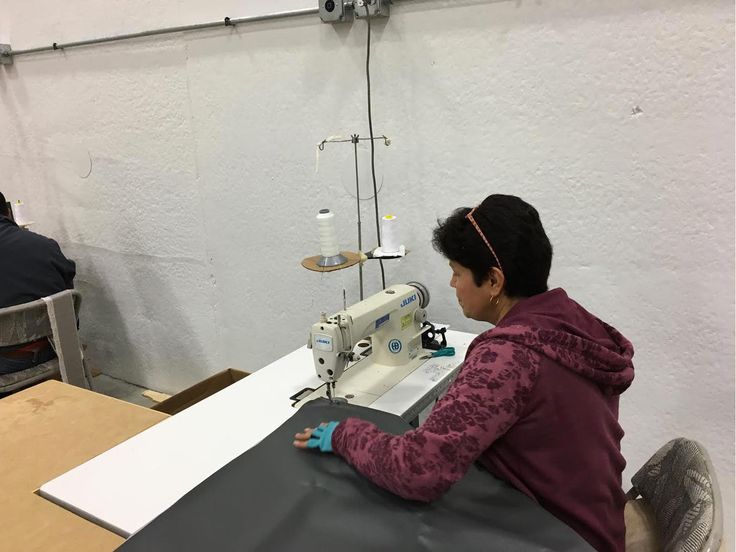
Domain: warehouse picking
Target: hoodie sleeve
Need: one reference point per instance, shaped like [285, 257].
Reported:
[485, 400]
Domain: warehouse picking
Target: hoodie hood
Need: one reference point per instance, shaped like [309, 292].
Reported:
[556, 327]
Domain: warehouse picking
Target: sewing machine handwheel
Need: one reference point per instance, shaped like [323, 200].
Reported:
[423, 293]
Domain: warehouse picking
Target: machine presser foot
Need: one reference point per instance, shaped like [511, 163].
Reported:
[331, 395]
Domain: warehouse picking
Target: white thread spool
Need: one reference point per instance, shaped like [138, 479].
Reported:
[390, 239]
[328, 240]
[327, 233]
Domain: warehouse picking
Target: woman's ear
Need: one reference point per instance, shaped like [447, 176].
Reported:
[497, 280]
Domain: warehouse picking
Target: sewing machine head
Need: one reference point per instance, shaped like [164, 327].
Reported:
[393, 320]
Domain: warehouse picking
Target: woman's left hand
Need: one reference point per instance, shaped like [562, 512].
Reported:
[300, 439]
[319, 437]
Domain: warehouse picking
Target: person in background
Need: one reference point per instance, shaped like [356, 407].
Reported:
[536, 400]
[31, 267]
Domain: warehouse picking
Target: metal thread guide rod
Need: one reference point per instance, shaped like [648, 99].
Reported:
[355, 139]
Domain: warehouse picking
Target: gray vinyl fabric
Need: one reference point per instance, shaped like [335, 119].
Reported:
[22, 324]
[275, 498]
[679, 485]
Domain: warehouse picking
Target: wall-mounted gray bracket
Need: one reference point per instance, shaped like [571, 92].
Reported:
[336, 11]
[6, 54]
[342, 11]
[376, 8]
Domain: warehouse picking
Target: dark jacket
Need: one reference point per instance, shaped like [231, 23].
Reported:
[536, 402]
[31, 266]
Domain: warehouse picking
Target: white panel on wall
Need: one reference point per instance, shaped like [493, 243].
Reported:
[615, 120]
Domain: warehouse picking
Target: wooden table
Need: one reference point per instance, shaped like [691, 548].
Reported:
[45, 431]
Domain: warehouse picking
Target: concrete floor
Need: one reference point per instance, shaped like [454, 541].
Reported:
[122, 390]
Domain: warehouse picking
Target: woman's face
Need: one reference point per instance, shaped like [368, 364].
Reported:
[474, 300]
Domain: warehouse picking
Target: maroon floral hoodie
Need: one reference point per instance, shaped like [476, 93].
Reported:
[536, 402]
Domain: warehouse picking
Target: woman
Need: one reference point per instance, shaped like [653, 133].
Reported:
[536, 401]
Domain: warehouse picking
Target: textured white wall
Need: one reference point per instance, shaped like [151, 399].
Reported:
[189, 229]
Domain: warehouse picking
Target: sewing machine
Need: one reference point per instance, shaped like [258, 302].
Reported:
[366, 349]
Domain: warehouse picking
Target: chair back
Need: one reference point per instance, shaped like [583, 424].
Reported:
[679, 484]
[53, 317]
[29, 321]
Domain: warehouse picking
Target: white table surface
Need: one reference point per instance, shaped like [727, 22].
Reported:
[128, 486]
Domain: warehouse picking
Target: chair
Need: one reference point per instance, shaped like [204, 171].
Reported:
[681, 499]
[54, 317]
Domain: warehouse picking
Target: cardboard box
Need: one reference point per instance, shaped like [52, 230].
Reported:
[200, 391]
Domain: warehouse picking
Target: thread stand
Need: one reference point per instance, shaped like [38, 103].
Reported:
[355, 139]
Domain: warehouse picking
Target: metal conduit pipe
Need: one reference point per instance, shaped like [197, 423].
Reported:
[7, 54]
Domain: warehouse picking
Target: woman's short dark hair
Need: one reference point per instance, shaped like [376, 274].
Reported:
[513, 229]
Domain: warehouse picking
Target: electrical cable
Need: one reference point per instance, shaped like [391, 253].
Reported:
[370, 129]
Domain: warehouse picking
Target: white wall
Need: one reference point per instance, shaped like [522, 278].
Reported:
[189, 229]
